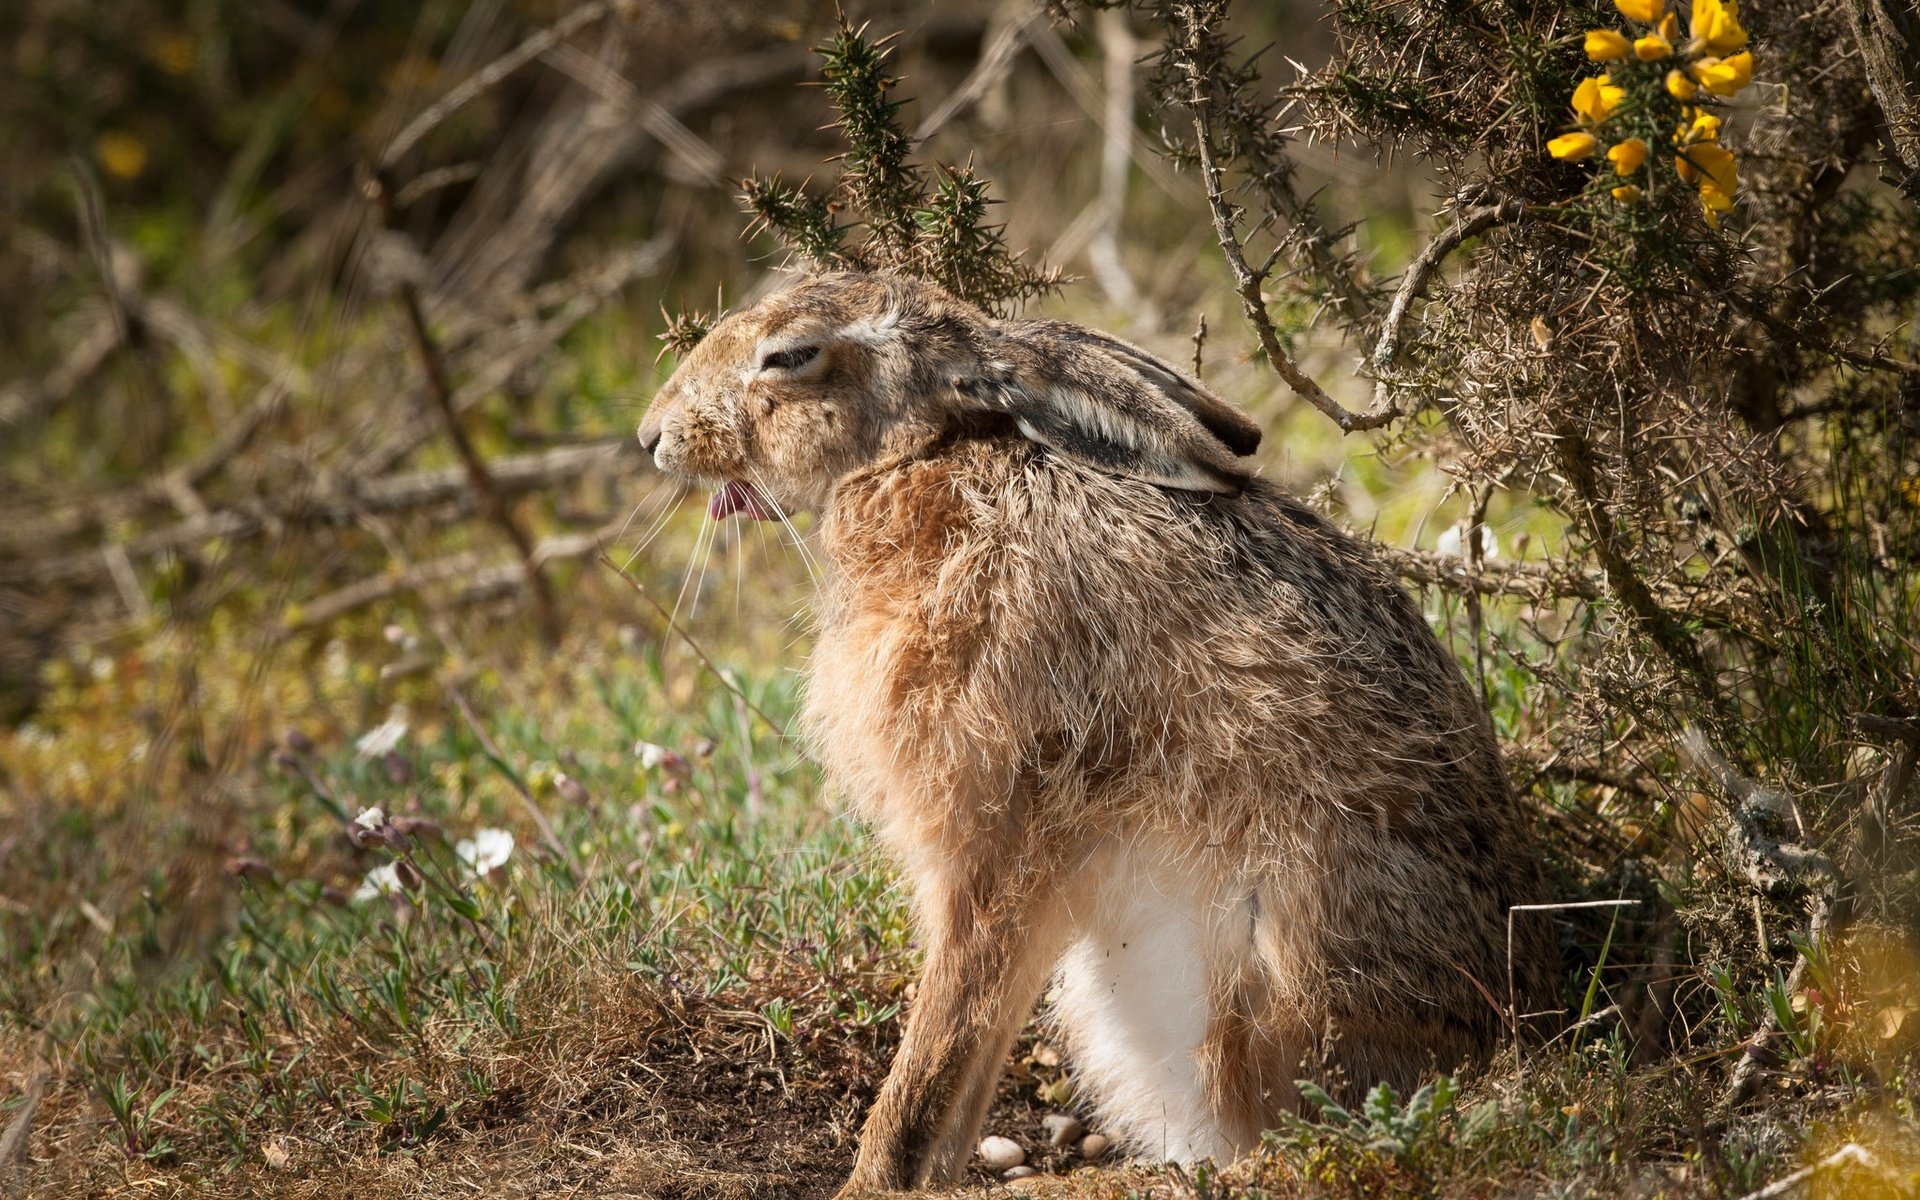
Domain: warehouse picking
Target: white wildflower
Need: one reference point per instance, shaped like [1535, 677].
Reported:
[383, 880]
[485, 850]
[1451, 541]
[385, 736]
[372, 818]
[650, 755]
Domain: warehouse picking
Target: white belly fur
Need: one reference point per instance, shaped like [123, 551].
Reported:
[1132, 1003]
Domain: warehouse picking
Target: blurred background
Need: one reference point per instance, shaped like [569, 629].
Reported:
[197, 297]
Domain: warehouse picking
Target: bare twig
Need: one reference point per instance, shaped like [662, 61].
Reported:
[478, 582]
[23, 401]
[1623, 581]
[578, 296]
[355, 596]
[1875, 830]
[1768, 866]
[408, 492]
[440, 391]
[1454, 572]
[698, 159]
[1196, 41]
[1003, 48]
[1103, 251]
[1088, 94]
[1606, 1014]
[13, 1143]
[492, 751]
[476, 85]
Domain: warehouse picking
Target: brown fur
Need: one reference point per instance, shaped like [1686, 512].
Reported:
[1040, 666]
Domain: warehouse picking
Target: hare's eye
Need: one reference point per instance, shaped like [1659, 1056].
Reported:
[788, 360]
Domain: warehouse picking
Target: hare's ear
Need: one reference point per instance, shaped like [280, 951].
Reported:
[1112, 406]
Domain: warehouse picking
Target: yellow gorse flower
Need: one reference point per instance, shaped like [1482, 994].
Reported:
[122, 154]
[1713, 202]
[1604, 45]
[1705, 128]
[1636, 102]
[1573, 146]
[1596, 98]
[1717, 26]
[1725, 76]
[1715, 164]
[1628, 156]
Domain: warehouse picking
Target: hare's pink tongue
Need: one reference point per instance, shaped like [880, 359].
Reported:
[743, 499]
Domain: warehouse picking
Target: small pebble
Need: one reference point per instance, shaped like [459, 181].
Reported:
[1013, 1173]
[1063, 1129]
[1093, 1147]
[1001, 1154]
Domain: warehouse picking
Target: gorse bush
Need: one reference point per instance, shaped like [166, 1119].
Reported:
[886, 212]
[1707, 371]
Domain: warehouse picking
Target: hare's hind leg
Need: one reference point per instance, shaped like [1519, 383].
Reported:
[1136, 1005]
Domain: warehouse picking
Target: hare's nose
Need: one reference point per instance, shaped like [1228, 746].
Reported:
[650, 440]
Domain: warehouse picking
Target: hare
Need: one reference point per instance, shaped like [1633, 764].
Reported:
[1123, 714]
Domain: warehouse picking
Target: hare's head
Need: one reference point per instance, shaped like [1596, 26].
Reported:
[782, 400]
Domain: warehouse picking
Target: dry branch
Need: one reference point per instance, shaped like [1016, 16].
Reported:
[1850, 1155]
[337, 504]
[1092, 99]
[583, 295]
[477, 582]
[26, 401]
[1765, 863]
[996, 61]
[477, 84]
[1540, 584]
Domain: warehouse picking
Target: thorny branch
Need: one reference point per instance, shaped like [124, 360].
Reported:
[1413, 284]
[1198, 53]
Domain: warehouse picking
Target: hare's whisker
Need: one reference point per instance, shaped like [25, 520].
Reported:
[686, 579]
[652, 498]
[657, 527]
[806, 556]
[706, 556]
[739, 569]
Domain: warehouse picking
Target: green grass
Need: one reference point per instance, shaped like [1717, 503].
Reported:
[210, 991]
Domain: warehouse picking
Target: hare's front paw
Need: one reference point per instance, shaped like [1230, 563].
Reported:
[857, 1188]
